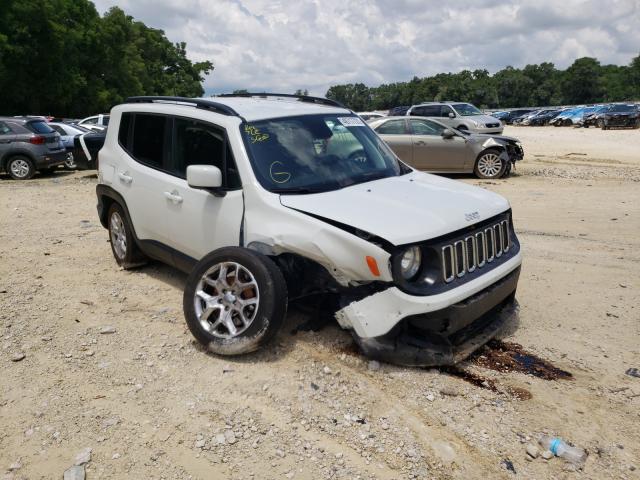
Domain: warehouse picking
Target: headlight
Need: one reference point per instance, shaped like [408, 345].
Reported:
[410, 262]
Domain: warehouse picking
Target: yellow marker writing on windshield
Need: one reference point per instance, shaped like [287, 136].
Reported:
[276, 173]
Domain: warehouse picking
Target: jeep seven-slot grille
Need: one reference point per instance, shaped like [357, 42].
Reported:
[476, 250]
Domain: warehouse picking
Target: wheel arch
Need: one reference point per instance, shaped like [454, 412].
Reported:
[4, 160]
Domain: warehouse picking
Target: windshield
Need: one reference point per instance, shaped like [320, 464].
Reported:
[466, 109]
[317, 153]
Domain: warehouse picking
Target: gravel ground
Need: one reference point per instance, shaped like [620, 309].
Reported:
[99, 369]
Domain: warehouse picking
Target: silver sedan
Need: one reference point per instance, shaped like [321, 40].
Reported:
[432, 146]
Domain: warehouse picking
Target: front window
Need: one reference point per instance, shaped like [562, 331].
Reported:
[317, 153]
[466, 109]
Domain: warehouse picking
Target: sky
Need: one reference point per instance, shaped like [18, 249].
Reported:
[282, 46]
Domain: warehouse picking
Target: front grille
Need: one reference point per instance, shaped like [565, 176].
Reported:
[492, 125]
[474, 251]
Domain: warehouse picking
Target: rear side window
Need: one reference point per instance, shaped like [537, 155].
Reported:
[392, 127]
[4, 128]
[124, 134]
[105, 120]
[148, 143]
[39, 126]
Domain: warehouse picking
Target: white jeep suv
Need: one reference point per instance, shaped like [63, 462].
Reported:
[269, 198]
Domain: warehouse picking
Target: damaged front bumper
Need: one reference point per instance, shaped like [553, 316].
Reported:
[442, 329]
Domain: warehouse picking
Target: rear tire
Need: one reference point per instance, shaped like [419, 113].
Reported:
[235, 300]
[20, 168]
[489, 165]
[70, 163]
[123, 243]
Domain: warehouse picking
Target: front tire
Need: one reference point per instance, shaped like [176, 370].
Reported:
[235, 300]
[20, 168]
[123, 244]
[489, 165]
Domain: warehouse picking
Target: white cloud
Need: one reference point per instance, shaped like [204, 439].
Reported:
[282, 46]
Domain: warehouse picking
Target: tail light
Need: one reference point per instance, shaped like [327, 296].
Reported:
[37, 140]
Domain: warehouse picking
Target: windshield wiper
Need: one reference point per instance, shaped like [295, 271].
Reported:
[297, 190]
[366, 177]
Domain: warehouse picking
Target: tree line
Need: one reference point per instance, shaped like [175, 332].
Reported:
[585, 81]
[60, 57]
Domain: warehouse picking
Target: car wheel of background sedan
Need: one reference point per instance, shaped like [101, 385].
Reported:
[600, 123]
[20, 168]
[489, 165]
[235, 300]
[637, 124]
[123, 245]
[70, 163]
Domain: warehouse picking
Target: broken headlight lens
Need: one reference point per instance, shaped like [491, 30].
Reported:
[410, 262]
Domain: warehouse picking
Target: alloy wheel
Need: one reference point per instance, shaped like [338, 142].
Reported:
[118, 235]
[489, 165]
[226, 300]
[20, 168]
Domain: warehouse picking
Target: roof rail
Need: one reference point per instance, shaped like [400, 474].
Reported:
[197, 102]
[301, 98]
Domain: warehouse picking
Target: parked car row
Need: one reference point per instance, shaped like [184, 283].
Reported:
[36, 143]
[602, 116]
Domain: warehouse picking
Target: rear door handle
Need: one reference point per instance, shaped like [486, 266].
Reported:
[173, 196]
[125, 177]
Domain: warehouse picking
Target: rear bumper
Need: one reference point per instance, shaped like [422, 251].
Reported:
[448, 336]
[51, 159]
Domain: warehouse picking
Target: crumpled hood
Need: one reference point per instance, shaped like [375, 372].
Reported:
[405, 209]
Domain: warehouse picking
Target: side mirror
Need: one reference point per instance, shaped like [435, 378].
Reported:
[452, 115]
[204, 176]
[448, 133]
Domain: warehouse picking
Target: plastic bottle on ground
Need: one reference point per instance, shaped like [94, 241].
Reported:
[560, 448]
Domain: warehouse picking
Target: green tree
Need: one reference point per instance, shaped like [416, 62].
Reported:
[60, 57]
[582, 81]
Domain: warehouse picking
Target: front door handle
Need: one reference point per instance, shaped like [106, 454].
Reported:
[420, 143]
[125, 177]
[173, 196]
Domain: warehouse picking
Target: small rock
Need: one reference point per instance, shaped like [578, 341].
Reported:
[17, 465]
[326, 370]
[107, 330]
[290, 474]
[17, 357]
[431, 397]
[374, 365]
[74, 473]
[449, 391]
[219, 438]
[230, 437]
[200, 444]
[384, 426]
[83, 457]
[280, 453]
[115, 456]
[89, 353]
[532, 451]
[547, 455]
